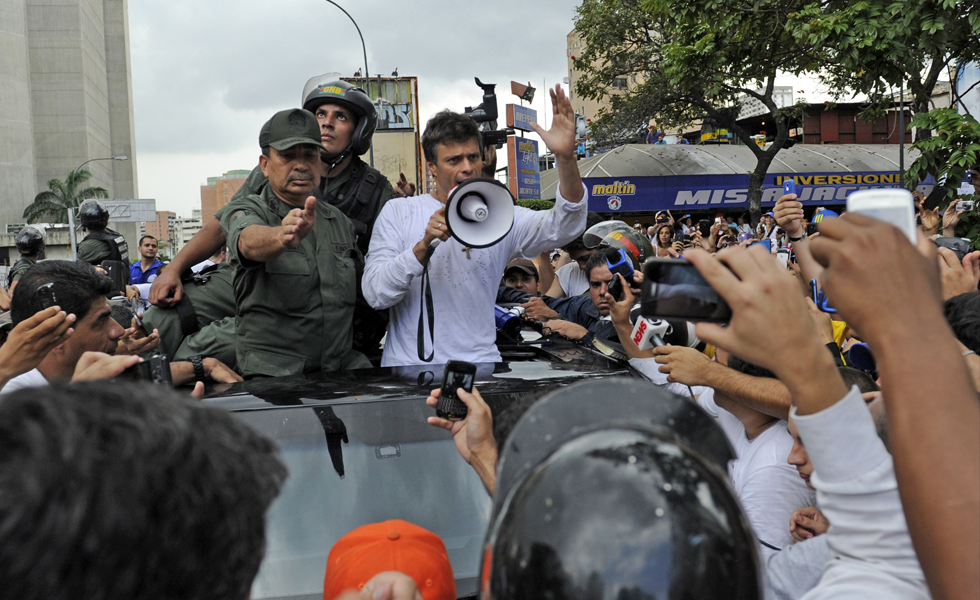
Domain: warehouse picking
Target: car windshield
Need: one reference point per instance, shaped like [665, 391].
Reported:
[359, 463]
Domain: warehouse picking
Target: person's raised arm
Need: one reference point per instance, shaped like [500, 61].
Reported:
[546, 271]
[261, 243]
[31, 340]
[689, 367]
[890, 292]
[560, 139]
[620, 314]
[789, 215]
[473, 435]
[764, 300]
[167, 289]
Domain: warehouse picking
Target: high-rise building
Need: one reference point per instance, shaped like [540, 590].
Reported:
[67, 98]
[219, 191]
[185, 228]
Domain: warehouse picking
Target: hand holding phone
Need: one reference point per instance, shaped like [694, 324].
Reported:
[676, 289]
[892, 206]
[458, 374]
[789, 187]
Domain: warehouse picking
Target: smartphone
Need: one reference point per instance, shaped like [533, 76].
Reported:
[812, 229]
[46, 295]
[155, 369]
[819, 298]
[789, 186]
[458, 374]
[766, 243]
[623, 266]
[704, 226]
[935, 197]
[674, 288]
[964, 205]
[892, 206]
[782, 255]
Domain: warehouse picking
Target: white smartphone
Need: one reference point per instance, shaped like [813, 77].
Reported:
[782, 255]
[893, 206]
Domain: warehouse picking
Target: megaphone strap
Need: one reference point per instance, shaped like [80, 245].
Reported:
[426, 309]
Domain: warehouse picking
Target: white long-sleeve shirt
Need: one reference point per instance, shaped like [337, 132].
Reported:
[768, 487]
[868, 537]
[464, 283]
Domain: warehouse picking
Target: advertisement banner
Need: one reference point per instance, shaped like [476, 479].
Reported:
[518, 117]
[650, 194]
[522, 167]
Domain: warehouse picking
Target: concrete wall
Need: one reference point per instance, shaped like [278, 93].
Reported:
[65, 97]
[16, 134]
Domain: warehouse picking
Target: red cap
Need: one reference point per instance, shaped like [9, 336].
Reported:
[390, 546]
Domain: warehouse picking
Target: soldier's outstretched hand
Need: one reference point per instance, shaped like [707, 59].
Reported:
[298, 224]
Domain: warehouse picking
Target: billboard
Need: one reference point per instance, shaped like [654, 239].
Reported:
[522, 167]
[519, 117]
[650, 194]
[396, 141]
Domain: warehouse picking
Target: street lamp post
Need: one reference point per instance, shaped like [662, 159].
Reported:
[73, 251]
[367, 81]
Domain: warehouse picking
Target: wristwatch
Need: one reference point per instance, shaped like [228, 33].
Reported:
[797, 239]
[198, 361]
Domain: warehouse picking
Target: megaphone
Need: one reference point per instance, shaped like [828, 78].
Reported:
[479, 212]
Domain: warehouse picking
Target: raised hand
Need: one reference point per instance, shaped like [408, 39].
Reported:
[298, 224]
[560, 139]
[404, 187]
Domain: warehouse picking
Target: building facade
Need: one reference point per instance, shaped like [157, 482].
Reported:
[219, 190]
[66, 98]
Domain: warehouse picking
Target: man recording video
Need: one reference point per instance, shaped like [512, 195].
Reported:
[463, 280]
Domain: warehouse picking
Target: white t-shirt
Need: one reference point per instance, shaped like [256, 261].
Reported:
[464, 282]
[769, 488]
[572, 279]
[32, 378]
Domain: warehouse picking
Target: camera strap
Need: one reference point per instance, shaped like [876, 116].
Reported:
[426, 308]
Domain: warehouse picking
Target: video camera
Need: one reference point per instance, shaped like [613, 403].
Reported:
[486, 115]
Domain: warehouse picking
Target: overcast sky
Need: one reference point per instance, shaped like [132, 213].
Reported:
[208, 73]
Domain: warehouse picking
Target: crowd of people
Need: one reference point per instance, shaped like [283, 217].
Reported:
[854, 477]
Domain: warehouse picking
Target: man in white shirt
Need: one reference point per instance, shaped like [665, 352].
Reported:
[463, 280]
[767, 486]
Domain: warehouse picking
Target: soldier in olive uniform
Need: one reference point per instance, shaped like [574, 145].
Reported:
[295, 260]
[30, 244]
[203, 322]
[347, 121]
[101, 243]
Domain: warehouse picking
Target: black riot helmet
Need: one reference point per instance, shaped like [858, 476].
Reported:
[30, 241]
[327, 89]
[623, 498]
[93, 215]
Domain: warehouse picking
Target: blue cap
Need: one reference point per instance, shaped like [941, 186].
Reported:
[769, 214]
[824, 214]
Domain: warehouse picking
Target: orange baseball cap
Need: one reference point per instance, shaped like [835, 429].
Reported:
[390, 546]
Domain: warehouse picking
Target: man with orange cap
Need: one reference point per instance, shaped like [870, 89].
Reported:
[390, 546]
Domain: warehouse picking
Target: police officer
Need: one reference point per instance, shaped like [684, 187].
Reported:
[101, 243]
[30, 244]
[347, 121]
[295, 260]
[203, 322]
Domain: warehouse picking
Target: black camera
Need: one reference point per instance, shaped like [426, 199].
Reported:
[486, 115]
[960, 246]
[155, 369]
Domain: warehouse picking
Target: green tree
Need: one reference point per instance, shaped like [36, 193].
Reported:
[62, 195]
[947, 155]
[693, 59]
[874, 47]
